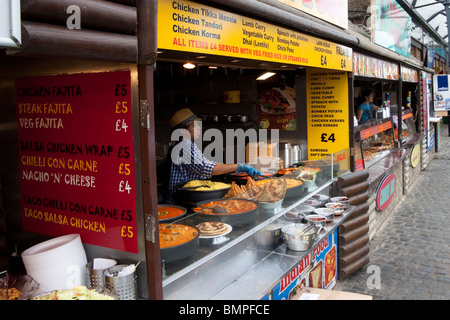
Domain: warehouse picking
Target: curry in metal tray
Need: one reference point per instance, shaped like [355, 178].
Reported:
[226, 207]
[167, 212]
[171, 235]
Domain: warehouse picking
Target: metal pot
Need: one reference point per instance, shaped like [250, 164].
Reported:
[226, 118]
[322, 198]
[225, 217]
[241, 118]
[212, 118]
[268, 235]
[294, 217]
[270, 205]
[312, 202]
[344, 200]
[300, 237]
[167, 220]
[294, 192]
[316, 219]
[180, 251]
[327, 212]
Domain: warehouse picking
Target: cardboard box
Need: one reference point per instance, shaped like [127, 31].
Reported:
[324, 294]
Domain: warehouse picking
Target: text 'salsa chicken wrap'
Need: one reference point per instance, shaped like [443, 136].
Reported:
[272, 190]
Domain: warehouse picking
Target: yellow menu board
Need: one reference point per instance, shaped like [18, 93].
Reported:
[193, 27]
[327, 112]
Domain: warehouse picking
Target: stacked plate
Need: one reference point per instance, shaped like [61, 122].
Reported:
[57, 263]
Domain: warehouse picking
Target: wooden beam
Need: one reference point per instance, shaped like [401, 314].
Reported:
[56, 41]
[359, 198]
[354, 256]
[352, 178]
[354, 267]
[147, 31]
[353, 189]
[352, 224]
[352, 246]
[94, 15]
[356, 233]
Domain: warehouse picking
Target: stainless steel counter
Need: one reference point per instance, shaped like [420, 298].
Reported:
[240, 269]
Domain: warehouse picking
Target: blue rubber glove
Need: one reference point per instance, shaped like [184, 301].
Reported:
[250, 170]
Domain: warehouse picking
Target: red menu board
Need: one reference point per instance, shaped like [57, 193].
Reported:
[76, 157]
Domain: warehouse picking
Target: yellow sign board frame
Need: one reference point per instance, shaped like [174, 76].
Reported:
[193, 27]
[327, 112]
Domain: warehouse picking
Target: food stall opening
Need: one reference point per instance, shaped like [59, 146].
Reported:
[185, 161]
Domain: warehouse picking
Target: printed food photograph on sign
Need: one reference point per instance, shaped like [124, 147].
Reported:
[275, 104]
[315, 276]
[277, 101]
[301, 283]
[330, 266]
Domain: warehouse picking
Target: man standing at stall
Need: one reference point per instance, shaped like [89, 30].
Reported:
[186, 162]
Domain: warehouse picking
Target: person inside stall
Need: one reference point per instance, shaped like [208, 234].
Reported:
[182, 166]
[365, 108]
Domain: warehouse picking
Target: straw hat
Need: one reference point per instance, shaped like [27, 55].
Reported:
[182, 118]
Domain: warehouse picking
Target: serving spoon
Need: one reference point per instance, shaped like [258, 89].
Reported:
[191, 188]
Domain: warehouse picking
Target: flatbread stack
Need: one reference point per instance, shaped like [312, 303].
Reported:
[212, 228]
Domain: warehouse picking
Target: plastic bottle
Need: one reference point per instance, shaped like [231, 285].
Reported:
[408, 100]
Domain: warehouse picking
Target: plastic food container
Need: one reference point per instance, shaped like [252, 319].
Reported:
[58, 263]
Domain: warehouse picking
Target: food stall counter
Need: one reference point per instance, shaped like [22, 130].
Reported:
[247, 270]
[258, 281]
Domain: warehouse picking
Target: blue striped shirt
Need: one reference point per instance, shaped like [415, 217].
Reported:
[188, 163]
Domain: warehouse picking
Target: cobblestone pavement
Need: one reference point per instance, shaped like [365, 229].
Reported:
[411, 251]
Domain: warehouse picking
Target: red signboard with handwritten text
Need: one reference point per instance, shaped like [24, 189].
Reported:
[76, 157]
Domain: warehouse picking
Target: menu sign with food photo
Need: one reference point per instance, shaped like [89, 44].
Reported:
[276, 109]
[76, 157]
